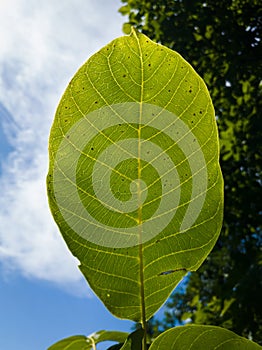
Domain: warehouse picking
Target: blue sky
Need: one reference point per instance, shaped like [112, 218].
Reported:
[43, 296]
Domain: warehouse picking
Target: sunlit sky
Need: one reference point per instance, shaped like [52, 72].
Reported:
[43, 296]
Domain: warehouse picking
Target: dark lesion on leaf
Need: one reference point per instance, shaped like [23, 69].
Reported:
[168, 272]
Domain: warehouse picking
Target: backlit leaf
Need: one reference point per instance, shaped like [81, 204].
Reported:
[134, 182]
[82, 342]
[72, 343]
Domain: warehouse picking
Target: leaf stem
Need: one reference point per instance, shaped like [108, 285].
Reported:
[93, 343]
[142, 295]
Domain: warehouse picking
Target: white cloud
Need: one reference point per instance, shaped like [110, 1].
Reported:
[43, 43]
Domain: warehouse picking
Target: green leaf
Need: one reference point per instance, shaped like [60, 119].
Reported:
[134, 182]
[227, 304]
[72, 343]
[82, 342]
[126, 28]
[108, 335]
[195, 337]
[124, 10]
[134, 340]
[115, 347]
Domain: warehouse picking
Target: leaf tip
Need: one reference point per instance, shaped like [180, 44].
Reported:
[133, 31]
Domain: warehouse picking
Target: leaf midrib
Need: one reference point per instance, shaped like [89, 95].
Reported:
[141, 248]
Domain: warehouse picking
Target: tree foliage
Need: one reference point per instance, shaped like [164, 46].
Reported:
[221, 39]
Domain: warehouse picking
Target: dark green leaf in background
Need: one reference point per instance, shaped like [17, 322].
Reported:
[195, 337]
